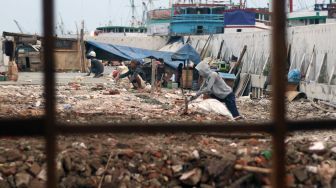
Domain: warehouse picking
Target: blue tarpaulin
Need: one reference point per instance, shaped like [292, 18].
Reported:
[239, 17]
[227, 76]
[117, 52]
[113, 52]
[187, 52]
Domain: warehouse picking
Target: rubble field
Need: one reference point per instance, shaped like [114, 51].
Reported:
[161, 160]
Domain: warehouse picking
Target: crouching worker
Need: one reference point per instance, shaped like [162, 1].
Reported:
[97, 67]
[135, 75]
[214, 86]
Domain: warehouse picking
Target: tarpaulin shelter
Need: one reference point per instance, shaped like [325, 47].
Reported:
[239, 17]
[117, 52]
[187, 52]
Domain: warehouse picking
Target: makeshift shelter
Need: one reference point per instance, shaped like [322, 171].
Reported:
[117, 52]
[187, 52]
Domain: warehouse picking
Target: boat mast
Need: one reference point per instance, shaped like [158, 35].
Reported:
[290, 5]
[171, 3]
[151, 4]
[133, 13]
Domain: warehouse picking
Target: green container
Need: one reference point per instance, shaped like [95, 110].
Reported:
[2, 78]
[174, 85]
[170, 85]
[267, 154]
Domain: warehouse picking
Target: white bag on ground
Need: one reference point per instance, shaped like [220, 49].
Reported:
[212, 105]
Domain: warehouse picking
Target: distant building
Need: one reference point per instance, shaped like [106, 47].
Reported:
[26, 51]
[197, 19]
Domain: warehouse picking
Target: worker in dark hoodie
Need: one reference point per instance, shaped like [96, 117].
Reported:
[215, 87]
[97, 67]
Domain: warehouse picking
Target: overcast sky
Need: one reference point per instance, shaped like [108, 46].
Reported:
[95, 13]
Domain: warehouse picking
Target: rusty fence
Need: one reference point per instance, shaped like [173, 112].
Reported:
[48, 128]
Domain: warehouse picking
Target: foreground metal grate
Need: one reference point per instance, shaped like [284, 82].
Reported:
[48, 128]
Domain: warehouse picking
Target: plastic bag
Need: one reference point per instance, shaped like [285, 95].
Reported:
[212, 105]
[294, 76]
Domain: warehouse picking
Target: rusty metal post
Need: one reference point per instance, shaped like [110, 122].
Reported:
[49, 89]
[278, 92]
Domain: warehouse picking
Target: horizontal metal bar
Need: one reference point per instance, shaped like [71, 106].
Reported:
[165, 128]
[22, 127]
[311, 125]
[35, 127]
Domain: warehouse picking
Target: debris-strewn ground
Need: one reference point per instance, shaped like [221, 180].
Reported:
[163, 160]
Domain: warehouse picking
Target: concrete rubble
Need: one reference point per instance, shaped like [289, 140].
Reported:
[162, 160]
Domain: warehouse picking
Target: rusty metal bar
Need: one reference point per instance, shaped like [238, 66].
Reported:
[22, 127]
[278, 92]
[36, 127]
[311, 125]
[165, 128]
[49, 88]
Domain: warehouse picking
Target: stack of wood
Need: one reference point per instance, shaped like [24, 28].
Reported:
[13, 71]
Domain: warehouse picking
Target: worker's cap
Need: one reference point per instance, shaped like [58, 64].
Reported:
[92, 54]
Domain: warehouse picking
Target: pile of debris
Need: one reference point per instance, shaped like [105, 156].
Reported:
[167, 161]
[136, 160]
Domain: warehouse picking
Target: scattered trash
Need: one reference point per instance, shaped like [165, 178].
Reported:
[212, 105]
[98, 87]
[267, 154]
[294, 76]
[112, 92]
[312, 169]
[192, 177]
[78, 145]
[196, 154]
[326, 171]
[317, 147]
[42, 175]
[67, 106]
[333, 149]
[38, 104]
[233, 145]
[177, 168]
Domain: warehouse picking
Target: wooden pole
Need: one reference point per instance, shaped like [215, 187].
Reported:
[153, 75]
[197, 44]
[235, 67]
[290, 5]
[82, 49]
[253, 169]
[220, 50]
[205, 45]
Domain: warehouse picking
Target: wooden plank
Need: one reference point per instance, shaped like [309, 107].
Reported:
[311, 64]
[331, 75]
[320, 77]
[153, 75]
[235, 67]
[220, 50]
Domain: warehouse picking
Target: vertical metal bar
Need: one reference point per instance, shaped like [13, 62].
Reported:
[49, 89]
[278, 91]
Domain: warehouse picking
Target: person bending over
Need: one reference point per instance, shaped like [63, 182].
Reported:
[135, 75]
[214, 86]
